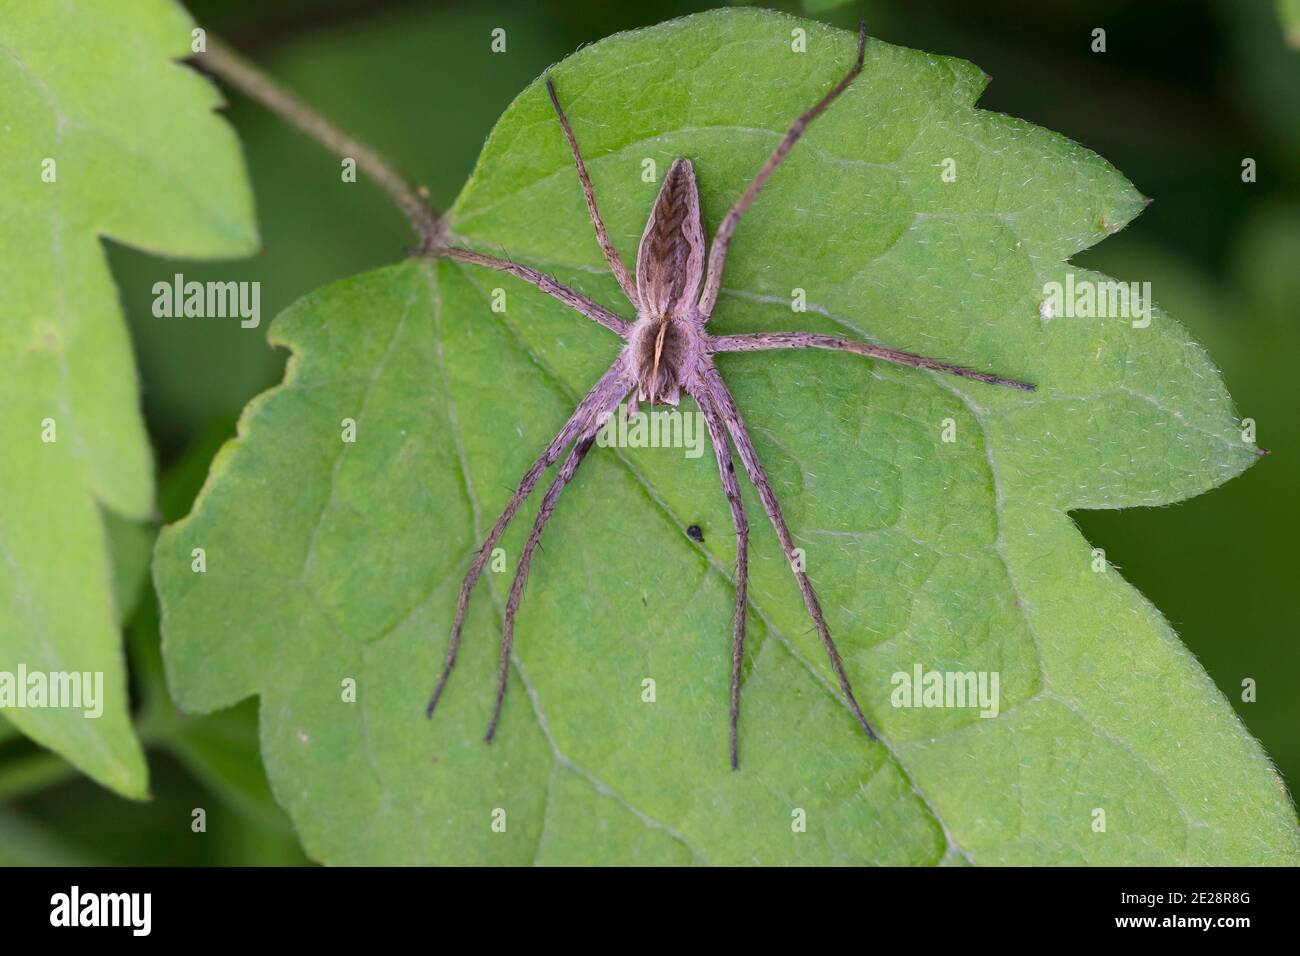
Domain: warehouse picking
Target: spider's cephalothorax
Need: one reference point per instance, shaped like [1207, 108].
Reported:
[661, 354]
[668, 352]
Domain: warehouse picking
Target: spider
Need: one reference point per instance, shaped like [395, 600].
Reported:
[667, 352]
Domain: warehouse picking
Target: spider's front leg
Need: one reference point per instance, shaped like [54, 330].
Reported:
[555, 289]
[718, 251]
[589, 193]
[726, 405]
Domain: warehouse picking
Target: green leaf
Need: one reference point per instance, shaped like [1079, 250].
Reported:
[219, 749]
[328, 560]
[1236, 541]
[140, 159]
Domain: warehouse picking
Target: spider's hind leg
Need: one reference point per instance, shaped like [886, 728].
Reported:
[602, 398]
[726, 405]
[731, 488]
[549, 501]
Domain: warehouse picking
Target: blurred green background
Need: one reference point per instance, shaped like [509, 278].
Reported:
[1183, 94]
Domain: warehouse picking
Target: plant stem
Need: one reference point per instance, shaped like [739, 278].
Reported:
[227, 65]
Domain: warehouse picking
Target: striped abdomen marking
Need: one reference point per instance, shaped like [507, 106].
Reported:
[670, 260]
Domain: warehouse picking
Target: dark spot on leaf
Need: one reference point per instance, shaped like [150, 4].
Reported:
[694, 533]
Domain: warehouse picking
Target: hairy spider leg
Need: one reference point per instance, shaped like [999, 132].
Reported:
[602, 399]
[589, 193]
[549, 501]
[731, 488]
[718, 251]
[719, 394]
[763, 341]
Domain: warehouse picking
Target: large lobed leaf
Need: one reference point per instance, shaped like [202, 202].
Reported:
[142, 160]
[329, 560]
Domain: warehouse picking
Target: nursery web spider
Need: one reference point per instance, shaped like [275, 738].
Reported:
[668, 352]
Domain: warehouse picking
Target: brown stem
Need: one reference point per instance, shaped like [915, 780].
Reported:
[227, 65]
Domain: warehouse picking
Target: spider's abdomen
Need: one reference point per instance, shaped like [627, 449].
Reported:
[670, 259]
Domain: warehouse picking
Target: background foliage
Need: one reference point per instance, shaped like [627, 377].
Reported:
[1175, 103]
